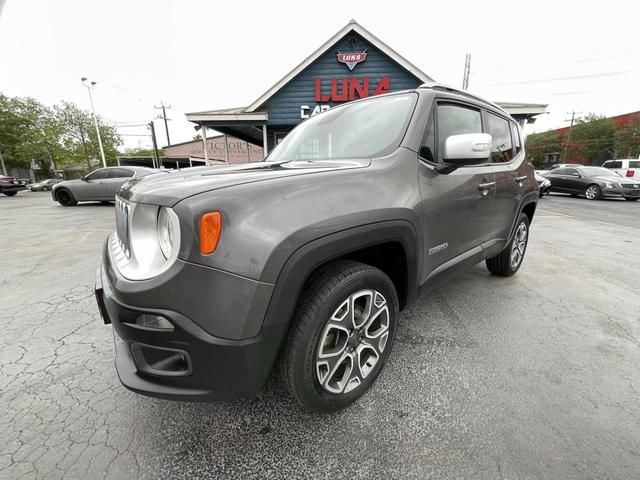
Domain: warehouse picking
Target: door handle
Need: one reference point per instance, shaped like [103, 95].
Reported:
[486, 186]
[520, 179]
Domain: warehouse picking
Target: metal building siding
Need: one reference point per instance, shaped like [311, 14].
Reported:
[284, 106]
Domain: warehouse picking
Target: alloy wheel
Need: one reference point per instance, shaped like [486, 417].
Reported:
[591, 192]
[352, 341]
[519, 245]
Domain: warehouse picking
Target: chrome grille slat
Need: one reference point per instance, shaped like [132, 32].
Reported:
[122, 226]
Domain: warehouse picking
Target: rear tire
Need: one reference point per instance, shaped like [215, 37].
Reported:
[65, 198]
[341, 335]
[508, 262]
[592, 192]
[10, 194]
[632, 199]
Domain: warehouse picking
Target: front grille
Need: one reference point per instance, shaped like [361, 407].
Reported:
[122, 225]
[630, 186]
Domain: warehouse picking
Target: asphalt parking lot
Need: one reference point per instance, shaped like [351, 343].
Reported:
[535, 376]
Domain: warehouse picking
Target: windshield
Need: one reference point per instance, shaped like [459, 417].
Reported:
[372, 128]
[598, 172]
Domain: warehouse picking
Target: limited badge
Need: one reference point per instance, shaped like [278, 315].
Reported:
[352, 59]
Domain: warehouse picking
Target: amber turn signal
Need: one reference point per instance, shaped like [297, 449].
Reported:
[210, 229]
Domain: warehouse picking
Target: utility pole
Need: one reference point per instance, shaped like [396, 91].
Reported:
[157, 163]
[164, 117]
[467, 71]
[566, 142]
[95, 119]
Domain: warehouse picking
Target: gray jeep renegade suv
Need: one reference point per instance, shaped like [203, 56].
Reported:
[304, 261]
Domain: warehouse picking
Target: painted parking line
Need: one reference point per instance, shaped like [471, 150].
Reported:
[557, 214]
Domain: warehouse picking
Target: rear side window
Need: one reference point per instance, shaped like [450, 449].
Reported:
[121, 173]
[612, 164]
[634, 163]
[455, 119]
[501, 147]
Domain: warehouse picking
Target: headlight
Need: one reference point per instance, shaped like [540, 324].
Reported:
[167, 228]
[151, 236]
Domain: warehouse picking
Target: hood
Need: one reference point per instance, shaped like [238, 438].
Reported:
[621, 180]
[170, 189]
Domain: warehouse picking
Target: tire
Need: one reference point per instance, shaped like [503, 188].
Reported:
[45, 189]
[10, 194]
[592, 192]
[318, 363]
[505, 264]
[632, 199]
[65, 198]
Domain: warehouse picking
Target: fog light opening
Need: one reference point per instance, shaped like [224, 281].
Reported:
[149, 321]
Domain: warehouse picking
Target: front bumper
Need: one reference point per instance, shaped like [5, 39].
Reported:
[617, 192]
[187, 363]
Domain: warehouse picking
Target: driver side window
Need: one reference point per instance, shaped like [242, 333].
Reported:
[98, 174]
[448, 119]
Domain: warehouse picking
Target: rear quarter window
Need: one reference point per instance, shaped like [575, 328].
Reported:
[634, 163]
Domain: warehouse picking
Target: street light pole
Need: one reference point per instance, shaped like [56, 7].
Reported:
[95, 119]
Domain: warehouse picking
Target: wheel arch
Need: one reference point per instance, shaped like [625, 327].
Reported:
[397, 239]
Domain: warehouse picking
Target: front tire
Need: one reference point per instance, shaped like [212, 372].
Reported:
[65, 198]
[509, 260]
[341, 335]
[10, 194]
[632, 199]
[592, 192]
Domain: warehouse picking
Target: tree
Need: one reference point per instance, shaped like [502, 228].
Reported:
[539, 145]
[627, 139]
[592, 138]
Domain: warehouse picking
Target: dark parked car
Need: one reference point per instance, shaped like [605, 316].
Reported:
[10, 185]
[593, 183]
[44, 185]
[100, 185]
[309, 256]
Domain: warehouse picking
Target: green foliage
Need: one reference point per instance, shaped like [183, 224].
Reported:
[537, 145]
[592, 138]
[60, 137]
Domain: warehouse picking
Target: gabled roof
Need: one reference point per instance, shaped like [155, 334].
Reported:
[349, 27]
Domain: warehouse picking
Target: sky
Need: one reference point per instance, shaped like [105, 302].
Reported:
[196, 55]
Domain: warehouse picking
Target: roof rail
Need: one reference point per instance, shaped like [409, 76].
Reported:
[448, 88]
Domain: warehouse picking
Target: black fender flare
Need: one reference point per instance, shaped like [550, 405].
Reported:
[309, 257]
[531, 197]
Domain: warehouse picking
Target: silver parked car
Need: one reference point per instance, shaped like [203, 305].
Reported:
[44, 185]
[100, 185]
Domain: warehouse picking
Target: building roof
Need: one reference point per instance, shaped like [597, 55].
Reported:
[349, 27]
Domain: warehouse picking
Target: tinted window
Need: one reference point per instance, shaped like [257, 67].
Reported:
[456, 120]
[634, 164]
[120, 173]
[613, 164]
[98, 174]
[560, 171]
[572, 171]
[501, 148]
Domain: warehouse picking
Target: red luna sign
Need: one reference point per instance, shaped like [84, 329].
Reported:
[346, 89]
[352, 59]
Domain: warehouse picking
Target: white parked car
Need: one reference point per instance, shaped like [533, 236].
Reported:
[625, 167]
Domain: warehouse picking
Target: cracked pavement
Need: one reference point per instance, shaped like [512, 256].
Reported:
[535, 376]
